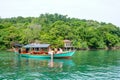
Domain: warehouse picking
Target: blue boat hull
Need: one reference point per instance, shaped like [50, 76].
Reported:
[62, 55]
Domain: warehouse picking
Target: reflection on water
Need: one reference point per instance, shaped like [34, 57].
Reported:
[43, 65]
[49, 62]
[53, 64]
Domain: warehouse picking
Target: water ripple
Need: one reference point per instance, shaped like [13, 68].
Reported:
[87, 67]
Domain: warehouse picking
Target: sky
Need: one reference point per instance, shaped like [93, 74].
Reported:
[100, 10]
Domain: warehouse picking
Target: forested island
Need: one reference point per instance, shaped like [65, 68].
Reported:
[54, 28]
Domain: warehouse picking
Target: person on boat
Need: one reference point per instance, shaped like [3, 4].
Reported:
[60, 50]
[27, 49]
[51, 51]
[55, 50]
[19, 50]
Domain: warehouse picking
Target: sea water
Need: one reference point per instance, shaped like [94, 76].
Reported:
[83, 65]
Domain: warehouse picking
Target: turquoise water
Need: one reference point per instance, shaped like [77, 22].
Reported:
[84, 65]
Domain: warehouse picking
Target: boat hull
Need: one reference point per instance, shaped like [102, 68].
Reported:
[62, 55]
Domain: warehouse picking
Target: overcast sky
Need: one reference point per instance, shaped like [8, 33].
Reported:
[100, 10]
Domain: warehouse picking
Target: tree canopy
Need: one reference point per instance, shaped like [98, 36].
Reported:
[54, 28]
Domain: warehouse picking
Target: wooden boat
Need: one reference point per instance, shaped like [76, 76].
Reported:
[42, 54]
[60, 55]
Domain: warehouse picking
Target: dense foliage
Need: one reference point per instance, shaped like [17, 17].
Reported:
[54, 28]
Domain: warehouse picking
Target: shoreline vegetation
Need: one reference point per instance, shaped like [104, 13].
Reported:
[78, 49]
[54, 28]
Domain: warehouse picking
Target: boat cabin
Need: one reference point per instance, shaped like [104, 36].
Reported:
[35, 48]
[67, 44]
